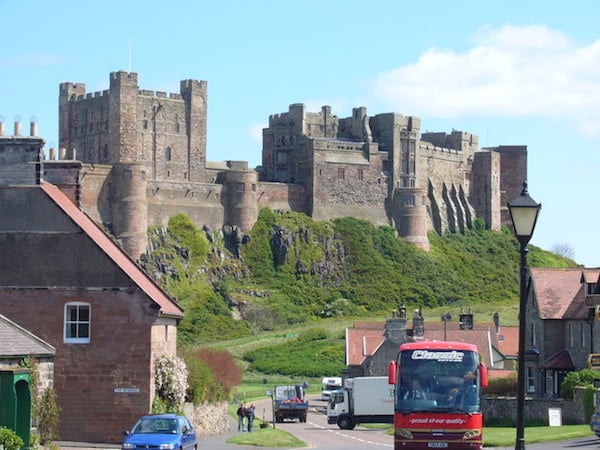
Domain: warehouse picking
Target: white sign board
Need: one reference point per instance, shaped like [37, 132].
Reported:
[555, 417]
[123, 390]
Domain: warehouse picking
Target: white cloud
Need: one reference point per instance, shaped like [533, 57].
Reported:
[254, 132]
[508, 71]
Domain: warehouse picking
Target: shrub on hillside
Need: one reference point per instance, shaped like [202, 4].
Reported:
[212, 374]
[188, 234]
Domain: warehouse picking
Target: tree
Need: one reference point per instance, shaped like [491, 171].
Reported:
[563, 249]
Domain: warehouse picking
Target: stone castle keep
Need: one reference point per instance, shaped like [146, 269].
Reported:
[132, 158]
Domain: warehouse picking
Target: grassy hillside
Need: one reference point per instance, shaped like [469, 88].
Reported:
[295, 276]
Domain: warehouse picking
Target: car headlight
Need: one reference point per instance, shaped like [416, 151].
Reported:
[167, 446]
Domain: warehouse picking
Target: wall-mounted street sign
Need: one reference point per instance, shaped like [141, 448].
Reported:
[594, 360]
[127, 390]
[592, 300]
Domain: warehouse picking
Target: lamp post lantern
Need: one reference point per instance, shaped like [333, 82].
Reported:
[524, 213]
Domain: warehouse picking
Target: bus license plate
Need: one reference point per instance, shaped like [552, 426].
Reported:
[437, 444]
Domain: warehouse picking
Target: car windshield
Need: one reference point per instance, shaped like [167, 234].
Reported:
[156, 425]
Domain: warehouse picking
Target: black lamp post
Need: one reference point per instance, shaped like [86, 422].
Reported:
[524, 213]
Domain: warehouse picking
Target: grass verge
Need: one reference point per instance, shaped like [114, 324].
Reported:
[267, 437]
[505, 436]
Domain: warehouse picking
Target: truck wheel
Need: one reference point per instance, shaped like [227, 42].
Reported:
[278, 419]
[303, 418]
[346, 423]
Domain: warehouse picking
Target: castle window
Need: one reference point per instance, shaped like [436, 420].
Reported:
[176, 127]
[168, 153]
[105, 152]
[253, 187]
[341, 174]
[77, 323]
[127, 174]
[145, 124]
[409, 201]
[241, 187]
[360, 175]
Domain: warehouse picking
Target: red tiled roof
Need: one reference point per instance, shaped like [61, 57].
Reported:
[113, 251]
[482, 338]
[591, 275]
[508, 341]
[362, 342]
[555, 290]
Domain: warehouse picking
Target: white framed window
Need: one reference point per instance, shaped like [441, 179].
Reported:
[530, 379]
[77, 323]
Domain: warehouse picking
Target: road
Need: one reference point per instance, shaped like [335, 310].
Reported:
[319, 435]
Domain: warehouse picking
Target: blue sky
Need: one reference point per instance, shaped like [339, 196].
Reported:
[512, 72]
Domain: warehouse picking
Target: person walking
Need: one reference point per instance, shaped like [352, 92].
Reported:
[240, 414]
[250, 413]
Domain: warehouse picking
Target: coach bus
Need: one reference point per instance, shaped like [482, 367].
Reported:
[437, 399]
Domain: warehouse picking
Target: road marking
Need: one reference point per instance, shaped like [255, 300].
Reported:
[346, 435]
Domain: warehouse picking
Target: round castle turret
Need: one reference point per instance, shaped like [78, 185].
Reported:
[130, 207]
[409, 211]
[241, 193]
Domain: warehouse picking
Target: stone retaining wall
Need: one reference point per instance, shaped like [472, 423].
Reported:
[572, 411]
[208, 418]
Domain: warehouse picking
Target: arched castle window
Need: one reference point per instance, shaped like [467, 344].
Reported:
[168, 153]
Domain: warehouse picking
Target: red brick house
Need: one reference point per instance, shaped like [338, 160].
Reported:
[67, 282]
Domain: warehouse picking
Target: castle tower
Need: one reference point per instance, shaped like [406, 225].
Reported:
[130, 208]
[122, 120]
[409, 210]
[242, 205]
[68, 92]
[195, 96]
[485, 188]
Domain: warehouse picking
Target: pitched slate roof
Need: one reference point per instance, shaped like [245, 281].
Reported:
[16, 341]
[560, 360]
[560, 293]
[167, 305]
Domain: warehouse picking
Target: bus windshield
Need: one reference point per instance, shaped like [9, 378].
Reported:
[438, 381]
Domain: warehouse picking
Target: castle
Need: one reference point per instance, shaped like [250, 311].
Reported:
[132, 158]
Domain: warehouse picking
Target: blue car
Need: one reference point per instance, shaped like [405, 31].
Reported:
[161, 432]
